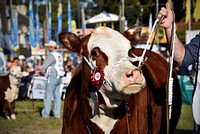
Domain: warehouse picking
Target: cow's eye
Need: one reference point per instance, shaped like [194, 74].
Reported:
[95, 53]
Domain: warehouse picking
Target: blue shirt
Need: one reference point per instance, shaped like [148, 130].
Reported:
[191, 51]
[50, 62]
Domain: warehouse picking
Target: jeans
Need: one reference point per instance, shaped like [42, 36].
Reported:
[52, 90]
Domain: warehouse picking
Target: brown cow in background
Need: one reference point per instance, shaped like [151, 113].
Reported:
[109, 94]
[9, 90]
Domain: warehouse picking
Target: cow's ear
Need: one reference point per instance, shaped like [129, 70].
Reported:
[70, 41]
[133, 34]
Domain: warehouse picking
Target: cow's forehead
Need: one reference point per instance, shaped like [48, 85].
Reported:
[108, 40]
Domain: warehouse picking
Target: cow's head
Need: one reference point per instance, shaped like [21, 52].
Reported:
[108, 50]
[15, 73]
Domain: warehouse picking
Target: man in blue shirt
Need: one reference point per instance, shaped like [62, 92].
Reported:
[54, 71]
[184, 55]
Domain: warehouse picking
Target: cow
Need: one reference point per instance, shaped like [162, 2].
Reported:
[9, 90]
[110, 93]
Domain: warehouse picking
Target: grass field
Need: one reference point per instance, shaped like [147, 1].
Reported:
[29, 121]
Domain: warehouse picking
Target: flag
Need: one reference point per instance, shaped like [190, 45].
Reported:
[15, 38]
[8, 41]
[1, 37]
[150, 23]
[59, 16]
[49, 23]
[31, 26]
[11, 20]
[197, 11]
[73, 26]
[13, 28]
[187, 11]
[37, 32]
[69, 17]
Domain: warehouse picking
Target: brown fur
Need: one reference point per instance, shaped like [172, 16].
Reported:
[4, 84]
[147, 109]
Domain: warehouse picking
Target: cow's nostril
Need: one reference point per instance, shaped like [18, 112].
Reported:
[129, 74]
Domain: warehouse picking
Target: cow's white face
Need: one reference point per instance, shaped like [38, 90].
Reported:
[16, 71]
[125, 78]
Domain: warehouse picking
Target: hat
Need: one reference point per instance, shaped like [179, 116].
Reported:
[50, 44]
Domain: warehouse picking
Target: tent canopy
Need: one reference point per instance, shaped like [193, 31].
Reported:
[103, 17]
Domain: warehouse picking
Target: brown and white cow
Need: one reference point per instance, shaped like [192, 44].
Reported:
[109, 94]
[9, 90]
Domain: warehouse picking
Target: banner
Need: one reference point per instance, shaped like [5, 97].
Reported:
[59, 16]
[1, 35]
[186, 88]
[187, 11]
[37, 32]
[69, 17]
[49, 23]
[197, 11]
[31, 26]
[15, 39]
[13, 28]
[73, 26]
[8, 40]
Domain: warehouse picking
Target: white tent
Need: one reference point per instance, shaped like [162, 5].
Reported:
[103, 17]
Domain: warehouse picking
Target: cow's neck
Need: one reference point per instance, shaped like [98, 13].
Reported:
[103, 112]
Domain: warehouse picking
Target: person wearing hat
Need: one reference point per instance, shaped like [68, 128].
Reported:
[54, 70]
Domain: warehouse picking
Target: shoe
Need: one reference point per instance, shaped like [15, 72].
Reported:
[57, 117]
[45, 117]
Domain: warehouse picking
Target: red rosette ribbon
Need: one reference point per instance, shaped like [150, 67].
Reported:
[97, 76]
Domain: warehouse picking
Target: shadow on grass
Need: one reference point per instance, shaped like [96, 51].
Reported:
[183, 131]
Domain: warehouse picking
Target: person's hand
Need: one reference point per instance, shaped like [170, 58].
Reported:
[36, 69]
[42, 73]
[168, 16]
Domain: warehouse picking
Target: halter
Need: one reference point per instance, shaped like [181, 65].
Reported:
[114, 68]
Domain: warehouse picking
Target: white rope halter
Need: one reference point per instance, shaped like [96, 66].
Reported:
[113, 69]
[142, 59]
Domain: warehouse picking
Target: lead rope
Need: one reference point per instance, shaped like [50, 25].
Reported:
[169, 92]
[127, 115]
[155, 28]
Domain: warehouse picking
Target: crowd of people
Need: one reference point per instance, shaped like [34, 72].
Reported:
[56, 71]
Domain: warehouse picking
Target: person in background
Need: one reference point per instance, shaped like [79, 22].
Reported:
[69, 68]
[39, 63]
[3, 70]
[54, 71]
[78, 60]
[25, 67]
[15, 62]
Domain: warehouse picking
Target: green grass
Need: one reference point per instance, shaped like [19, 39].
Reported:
[29, 121]
[186, 121]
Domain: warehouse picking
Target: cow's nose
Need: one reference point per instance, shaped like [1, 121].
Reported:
[133, 76]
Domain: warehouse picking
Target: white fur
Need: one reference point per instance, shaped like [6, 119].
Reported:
[116, 47]
[13, 116]
[12, 92]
